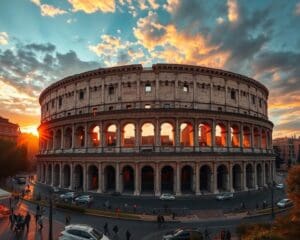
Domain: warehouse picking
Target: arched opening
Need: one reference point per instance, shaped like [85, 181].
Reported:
[68, 138]
[56, 176]
[259, 175]
[50, 140]
[147, 179]
[95, 136]
[235, 136]
[205, 179]
[220, 135]
[249, 176]
[166, 135]
[167, 179]
[186, 135]
[80, 137]
[110, 178]
[58, 135]
[269, 137]
[78, 178]
[67, 176]
[128, 179]
[222, 178]
[237, 177]
[111, 135]
[256, 138]
[49, 174]
[246, 137]
[187, 179]
[267, 174]
[263, 139]
[204, 138]
[147, 135]
[128, 135]
[93, 178]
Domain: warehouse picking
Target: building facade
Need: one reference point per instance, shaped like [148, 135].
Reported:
[288, 149]
[9, 131]
[170, 128]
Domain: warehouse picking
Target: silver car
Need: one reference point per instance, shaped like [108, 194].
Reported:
[224, 196]
[81, 232]
[167, 196]
[84, 199]
[284, 203]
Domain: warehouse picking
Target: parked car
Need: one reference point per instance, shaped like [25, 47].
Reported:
[284, 203]
[81, 232]
[67, 196]
[184, 234]
[84, 199]
[167, 196]
[279, 186]
[55, 189]
[224, 196]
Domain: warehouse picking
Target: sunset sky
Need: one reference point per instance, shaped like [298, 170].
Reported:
[42, 41]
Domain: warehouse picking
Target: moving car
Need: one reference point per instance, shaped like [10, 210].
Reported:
[81, 232]
[67, 196]
[167, 196]
[184, 234]
[284, 203]
[279, 186]
[224, 196]
[84, 199]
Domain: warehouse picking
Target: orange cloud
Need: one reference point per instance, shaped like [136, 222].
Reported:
[91, 6]
[233, 13]
[3, 38]
[153, 4]
[109, 45]
[171, 5]
[48, 10]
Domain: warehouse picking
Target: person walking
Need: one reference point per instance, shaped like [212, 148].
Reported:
[116, 229]
[27, 220]
[128, 235]
[105, 228]
[68, 220]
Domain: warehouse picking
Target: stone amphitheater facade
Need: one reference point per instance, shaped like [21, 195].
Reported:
[168, 128]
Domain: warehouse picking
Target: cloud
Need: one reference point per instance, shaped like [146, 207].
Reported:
[297, 9]
[172, 6]
[233, 11]
[48, 10]
[91, 6]
[220, 20]
[153, 4]
[3, 38]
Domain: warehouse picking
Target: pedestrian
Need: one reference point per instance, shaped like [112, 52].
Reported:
[27, 220]
[68, 220]
[40, 222]
[105, 228]
[115, 229]
[128, 235]
[228, 235]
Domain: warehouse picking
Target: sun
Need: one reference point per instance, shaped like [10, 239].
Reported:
[30, 129]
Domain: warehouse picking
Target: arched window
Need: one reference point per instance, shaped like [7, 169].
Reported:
[128, 135]
[263, 139]
[256, 138]
[246, 137]
[186, 135]
[204, 138]
[220, 135]
[111, 135]
[235, 136]
[166, 134]
[80, 138]
[148, 134]
[95, 136]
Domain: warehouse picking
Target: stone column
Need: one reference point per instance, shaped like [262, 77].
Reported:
[228, 140]
[73, 137]
[86, 136]
[60, 175]
[215, 179]
[178, 180]
[62, 138]
[157, 136]
[197, 178]
[259, 138]
[102, 91]
[85, 178]
[255, 176]
[177, 135]
[263, 174]
[230, 176]
[241, 137]
[71, 187]
[99, 178]
[117, 177]
[118, 136]
[196, 134]
[137, 180]
[157, 183]
[244, 177]
[252, 137]
[213, 134]
[137, 135]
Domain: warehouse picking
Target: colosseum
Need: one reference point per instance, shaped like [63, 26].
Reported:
[144, 131]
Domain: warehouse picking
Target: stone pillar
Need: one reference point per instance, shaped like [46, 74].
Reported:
[99, 178]
[102, 91]
[62, 138]
[85, 178]
[196, 134]
[117, 177]
[157, 183]
[215, 179]
[228, 140]
[177, 134]
[255, 176]
[244, 177]
[137, 180]
[71, 187]
[86, 135]
[263, 166]
[178, 180]
[241, 136]
[73, 136]
[118, 135]
[259, 138]
[230, 177]
[157, 136]
[197, 178]
[60, 184]
[252, 137]
[213, 134]
[137, 135]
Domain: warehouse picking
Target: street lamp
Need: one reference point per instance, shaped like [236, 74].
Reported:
[50, 214]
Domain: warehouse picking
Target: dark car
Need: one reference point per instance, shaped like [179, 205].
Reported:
[184, 234]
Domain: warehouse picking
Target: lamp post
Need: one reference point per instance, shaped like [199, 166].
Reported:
[50, 215]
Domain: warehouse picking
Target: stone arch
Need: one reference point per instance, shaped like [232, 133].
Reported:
[220, 135]
[167, 134]
[256, 137]
[237, 177]
[167, 179]
[263, 139]
[68, 138]
[56, 177]
[235, 135]
[93, 178]
[128, 178]
[246, 137]
[109, 178]
[66, 176]
[259, 175]
[58, 135]
[111, 135]
[94, 135]
[249, 176]
[147, 182]
[49, 174]
[186, 134]
[186, 179]
[78, 177]
[128, 137]
[148, 134]
[204, 134]
[205, 178]
[222, 178]
[80, 137]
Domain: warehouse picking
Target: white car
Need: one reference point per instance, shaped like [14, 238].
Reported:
[81, 232]
[167, 196]
[279, 186]
[224, 196]
[284, 203]
[84, 199]
[67, 196]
